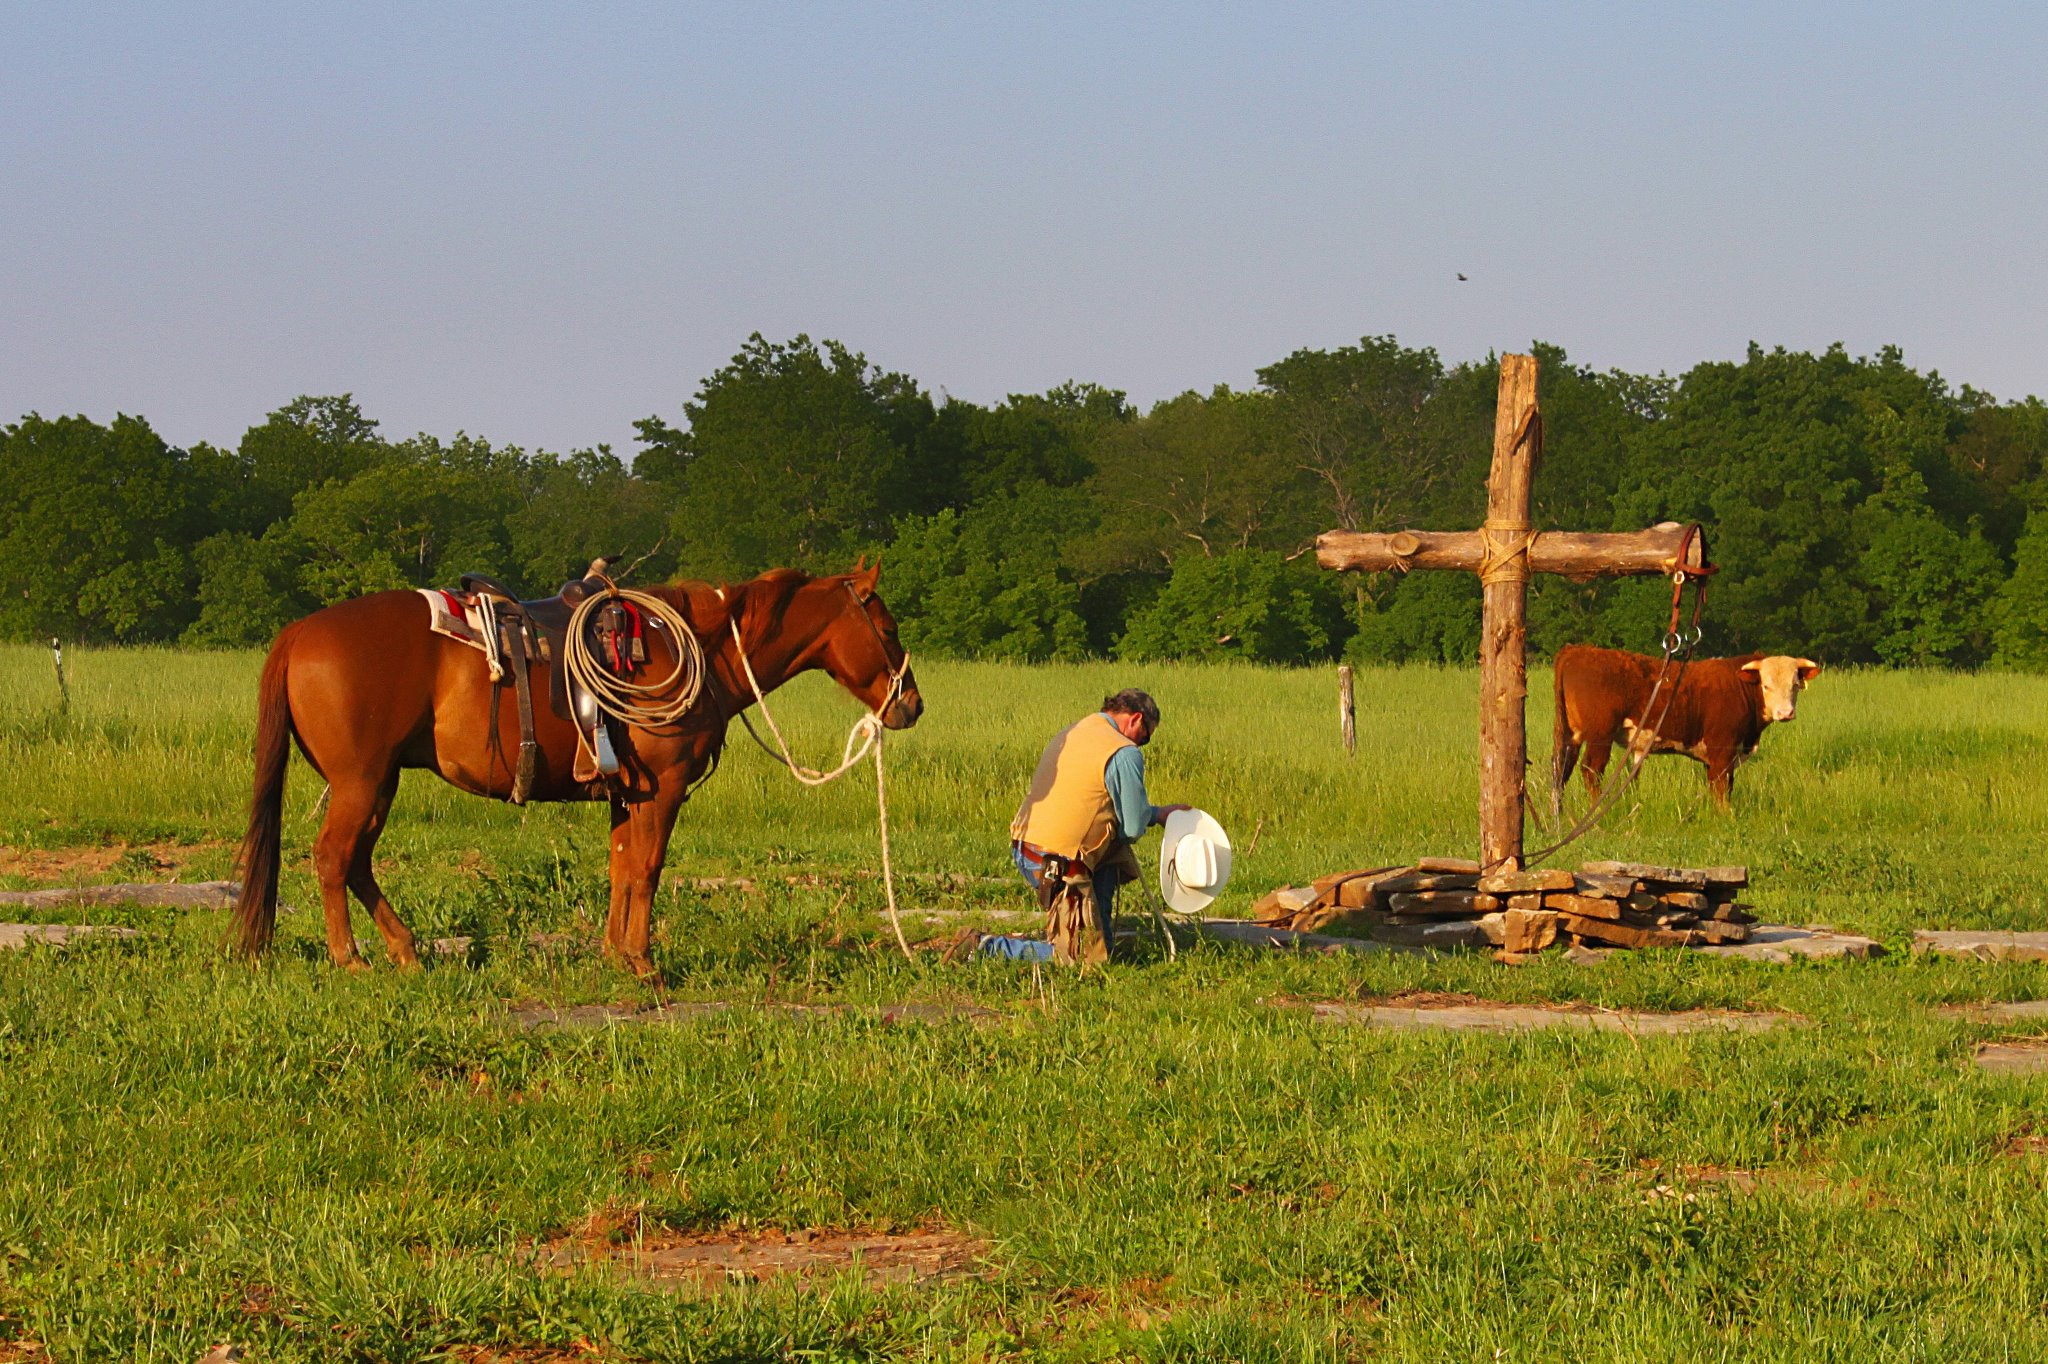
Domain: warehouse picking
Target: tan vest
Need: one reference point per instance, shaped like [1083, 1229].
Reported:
[1068, 809]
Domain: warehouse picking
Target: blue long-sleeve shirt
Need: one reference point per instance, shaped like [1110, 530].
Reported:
[1124, 775]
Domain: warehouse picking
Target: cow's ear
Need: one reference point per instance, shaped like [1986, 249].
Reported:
[1755, 665]
[1808, 669]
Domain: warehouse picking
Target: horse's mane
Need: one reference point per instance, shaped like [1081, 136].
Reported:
[709, 603]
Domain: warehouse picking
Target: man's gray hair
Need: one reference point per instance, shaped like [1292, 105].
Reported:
[1131, 701]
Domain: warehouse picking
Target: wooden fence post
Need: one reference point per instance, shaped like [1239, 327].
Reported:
[63, 690]
[1347, 709]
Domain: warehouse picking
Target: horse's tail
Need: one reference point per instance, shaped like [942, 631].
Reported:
[256, 909]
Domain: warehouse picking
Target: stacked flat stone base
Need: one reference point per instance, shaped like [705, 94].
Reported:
[1603, 906]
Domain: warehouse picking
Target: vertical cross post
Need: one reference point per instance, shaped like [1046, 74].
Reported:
[1504, 576]
[1504, 552]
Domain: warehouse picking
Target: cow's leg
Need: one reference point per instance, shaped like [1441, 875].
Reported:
[1564, 756]
[398, 940]
[1594, 764]
[1721, 764]
[352, 808]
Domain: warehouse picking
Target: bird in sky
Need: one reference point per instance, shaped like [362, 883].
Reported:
[1461, 279]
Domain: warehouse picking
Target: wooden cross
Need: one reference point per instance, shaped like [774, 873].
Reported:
[1503, 553]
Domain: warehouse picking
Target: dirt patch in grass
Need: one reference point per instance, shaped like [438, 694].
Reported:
[71, 865]
[2027, 1141]
[534, 1016]
[710, 1260]
[580, 1352]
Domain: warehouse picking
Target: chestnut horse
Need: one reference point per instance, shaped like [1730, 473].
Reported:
[368, 690]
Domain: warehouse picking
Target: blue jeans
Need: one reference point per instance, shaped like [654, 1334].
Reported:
[1107, 878]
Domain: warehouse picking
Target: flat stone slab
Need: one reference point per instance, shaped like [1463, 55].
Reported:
[2004, 1008]
[59, 935]
[1488, 1016]
[1782, 943]
[572, 1017]
[1259, 935]
[2028, 1056]
[1981, 944]
[195, 895]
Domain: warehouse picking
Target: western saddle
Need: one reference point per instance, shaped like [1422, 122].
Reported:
[521, 634]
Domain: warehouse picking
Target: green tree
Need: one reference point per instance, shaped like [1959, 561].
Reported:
[95, 522]
[987, 583]
[579, 506]
[1356, 420]
[2019, 612]
[1775, 455]
[796, 453]
[249, 588]
[1196, 474]
[1241, 604]
[424, 516]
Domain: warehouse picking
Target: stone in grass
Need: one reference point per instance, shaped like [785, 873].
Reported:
[1585, 906]
[1442, 903]
[1462, 865]
[2024, 1056]
[60, 935]
[1981, 944]
[1682, 878]
[1284, 903]
[1529, 931]
[1782, 943]
[1442, 935]
[153, 895]
[1604, 886]
[1524, 882]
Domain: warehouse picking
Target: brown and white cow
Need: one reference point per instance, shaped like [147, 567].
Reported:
[1718, 710]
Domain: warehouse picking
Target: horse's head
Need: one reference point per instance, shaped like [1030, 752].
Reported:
[861, 651]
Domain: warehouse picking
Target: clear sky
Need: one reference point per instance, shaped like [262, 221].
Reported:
[540, 222]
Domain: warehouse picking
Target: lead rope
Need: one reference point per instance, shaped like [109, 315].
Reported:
[867, 730]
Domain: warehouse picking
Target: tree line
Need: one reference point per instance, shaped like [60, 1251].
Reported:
[1862, 511]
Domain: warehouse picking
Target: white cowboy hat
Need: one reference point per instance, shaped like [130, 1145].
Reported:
[1194, 861]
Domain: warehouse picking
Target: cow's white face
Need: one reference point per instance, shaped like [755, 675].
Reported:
[1781, 678]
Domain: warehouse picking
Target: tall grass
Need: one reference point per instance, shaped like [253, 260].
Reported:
[1166, 1162]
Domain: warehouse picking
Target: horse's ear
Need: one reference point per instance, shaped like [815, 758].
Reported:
[865, 574]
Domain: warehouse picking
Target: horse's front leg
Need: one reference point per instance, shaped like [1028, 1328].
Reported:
[640, 834]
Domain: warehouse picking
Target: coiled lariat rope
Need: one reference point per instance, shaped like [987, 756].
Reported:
[636, 703]
[867, 731]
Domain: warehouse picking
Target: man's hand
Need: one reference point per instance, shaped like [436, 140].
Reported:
[1160, 812]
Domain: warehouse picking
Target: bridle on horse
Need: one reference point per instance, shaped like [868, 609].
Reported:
[897, 673]
[867, 730]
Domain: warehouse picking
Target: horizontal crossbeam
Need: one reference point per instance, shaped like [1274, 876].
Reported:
[1574, 554]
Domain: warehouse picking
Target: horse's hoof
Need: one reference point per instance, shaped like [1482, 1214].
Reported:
[644, 969]
[353, 964]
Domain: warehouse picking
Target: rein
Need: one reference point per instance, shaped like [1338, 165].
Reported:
[867, 731]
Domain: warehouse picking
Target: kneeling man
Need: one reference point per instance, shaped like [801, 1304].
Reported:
[1087, 804]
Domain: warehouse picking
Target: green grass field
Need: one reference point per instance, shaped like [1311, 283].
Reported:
[1161, 1162]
